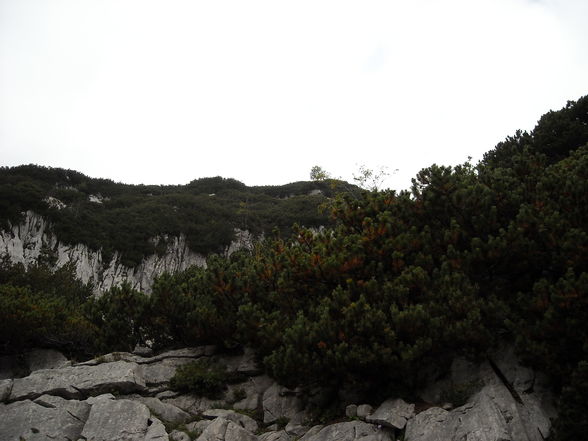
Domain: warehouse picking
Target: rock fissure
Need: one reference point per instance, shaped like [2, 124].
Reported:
[76, 417]
[26, 241]
[505, 382]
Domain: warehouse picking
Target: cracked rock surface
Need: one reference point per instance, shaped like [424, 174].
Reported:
[126, 397]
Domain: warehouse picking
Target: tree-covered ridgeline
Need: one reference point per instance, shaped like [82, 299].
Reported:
[114, 217]
[469, 257]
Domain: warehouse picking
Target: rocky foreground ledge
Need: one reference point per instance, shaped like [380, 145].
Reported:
[126, 397]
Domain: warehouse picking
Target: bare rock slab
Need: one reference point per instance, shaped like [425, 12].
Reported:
[491, 415]
[392, 413]
[60, 421]
[166, 411]
[349, 431]
[224, 430]
[80, 381]
[276, 436]
[192, 404]
[162, 371]
[244, 421]
[117, 420]
[280, 402]
[364, 410]
[178, 435]
[156, 431]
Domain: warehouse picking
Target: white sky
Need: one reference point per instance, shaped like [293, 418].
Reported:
[166, 91]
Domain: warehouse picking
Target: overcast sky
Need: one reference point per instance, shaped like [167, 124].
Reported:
[166, 91]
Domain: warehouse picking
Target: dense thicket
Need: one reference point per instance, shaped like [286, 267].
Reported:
[469, 257]
[125, 218]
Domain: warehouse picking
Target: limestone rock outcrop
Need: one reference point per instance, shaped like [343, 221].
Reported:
[36, 421]
[348, 431]
[25, 242]
[507, 402]
[224, 430]
[80, 381]
[125, 397]
[117, 420]
[392, 413]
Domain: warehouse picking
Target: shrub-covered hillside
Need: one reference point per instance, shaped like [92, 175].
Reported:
[119, 217]
[469, 257]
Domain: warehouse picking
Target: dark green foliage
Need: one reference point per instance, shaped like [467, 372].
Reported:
[187, 309]
[119, 314]
[200, 377]
[572, 424]
[137, 220]
[29, 318]
[41, 308]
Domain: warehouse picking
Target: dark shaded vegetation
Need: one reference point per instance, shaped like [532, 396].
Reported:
[471, 256]
[202, 377]
[207, 211]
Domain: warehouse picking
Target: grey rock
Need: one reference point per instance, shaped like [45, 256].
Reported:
[167, 394]
[429, 425]
[296, 429]
[162, 371]
[312, 432]
[117, 420]
[364, 410]
[195, 352]
[178, 435]
[157, 389]
[93, 400]
[38, 359]
[297, 426]
[476, 421]
[520, 377]
[198, 426]
[351, 411]
[166, 411]
[381, 435]
[36, 422]
[156, 431]
[225, 430]
[349, 431]
[244, 421]
[77, 381]
[502, 393]
[280, 435]
[491, 415]
[392, 413]
[53, 402]
[192, 404]
[280, 402]
[5, 389]
[110, 358]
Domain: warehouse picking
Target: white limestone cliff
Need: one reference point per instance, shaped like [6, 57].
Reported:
[25, 242]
